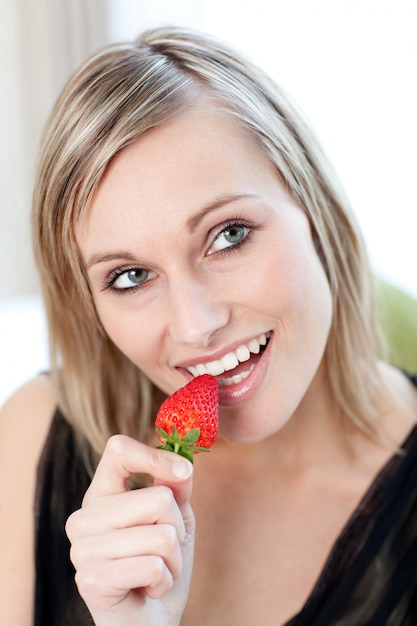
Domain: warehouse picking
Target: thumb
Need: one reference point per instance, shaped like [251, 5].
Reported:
[181, 483]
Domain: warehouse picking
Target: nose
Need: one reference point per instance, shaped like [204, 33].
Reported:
[195, 313]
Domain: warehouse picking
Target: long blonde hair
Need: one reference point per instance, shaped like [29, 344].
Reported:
[117, 95]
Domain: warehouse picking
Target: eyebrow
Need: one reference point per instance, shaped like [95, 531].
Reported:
[112, 256]
[194, 221]
[191, 224]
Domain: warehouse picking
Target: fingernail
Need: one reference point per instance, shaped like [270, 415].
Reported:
[182, 469]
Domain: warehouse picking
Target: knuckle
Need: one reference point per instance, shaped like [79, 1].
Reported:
[157, 568]
[160, 578]
[117, 444]
[89, 585]
[69, 526]
[97, 581]
[80, 553]
[165, 497]
[73, 525]
[76, 525]
[168, 538]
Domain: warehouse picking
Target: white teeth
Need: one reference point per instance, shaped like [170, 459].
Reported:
[243, 353]
[226, 382]
[254, 346]
[215, 368]
[230, 361]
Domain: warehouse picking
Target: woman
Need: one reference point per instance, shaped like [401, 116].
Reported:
[183, 210]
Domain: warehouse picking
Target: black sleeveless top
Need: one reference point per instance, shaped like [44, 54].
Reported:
[370, 578]
[62, 481]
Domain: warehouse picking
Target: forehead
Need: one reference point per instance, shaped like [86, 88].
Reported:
[195, 134]
[184, 162]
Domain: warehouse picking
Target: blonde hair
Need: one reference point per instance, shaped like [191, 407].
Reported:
[117, 95]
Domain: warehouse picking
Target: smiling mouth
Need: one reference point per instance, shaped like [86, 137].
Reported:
[234, 362]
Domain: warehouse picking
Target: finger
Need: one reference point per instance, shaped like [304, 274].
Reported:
[160, 540]
[124, 456]
[111, 581]
[147, 506]
[181, 492]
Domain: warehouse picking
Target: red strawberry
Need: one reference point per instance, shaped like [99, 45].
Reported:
[187, 421]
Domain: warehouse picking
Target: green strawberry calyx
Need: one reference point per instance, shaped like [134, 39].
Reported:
[185, 446]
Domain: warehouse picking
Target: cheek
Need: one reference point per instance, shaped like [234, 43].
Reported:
[278, 280]
[312, 309]
[291, 285]
[130, 332]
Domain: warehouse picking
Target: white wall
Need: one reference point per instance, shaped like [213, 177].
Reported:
[41, 43]
[24, 351]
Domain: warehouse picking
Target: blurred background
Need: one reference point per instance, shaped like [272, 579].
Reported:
[350, 64]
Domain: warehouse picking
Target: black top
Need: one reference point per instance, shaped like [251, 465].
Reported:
[61, 484]
[370, 578]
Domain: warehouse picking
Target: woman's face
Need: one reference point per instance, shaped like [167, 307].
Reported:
[200, 261]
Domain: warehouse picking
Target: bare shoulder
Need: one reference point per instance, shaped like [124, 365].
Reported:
[39, 389]
[24, 423]
[25, 419]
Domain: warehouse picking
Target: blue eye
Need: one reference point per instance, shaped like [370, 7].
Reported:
[233, 235]
[120, 280]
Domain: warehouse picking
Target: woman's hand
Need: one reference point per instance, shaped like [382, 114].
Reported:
[133, 550]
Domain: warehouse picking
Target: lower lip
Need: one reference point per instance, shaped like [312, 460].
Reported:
[232, 395]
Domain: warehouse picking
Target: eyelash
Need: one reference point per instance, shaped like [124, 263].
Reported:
[239, 223]
[110, 279]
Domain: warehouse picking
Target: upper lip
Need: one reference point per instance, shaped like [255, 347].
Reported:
[219, 354]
